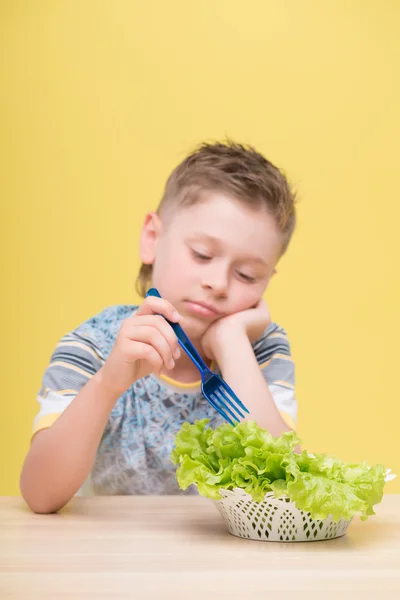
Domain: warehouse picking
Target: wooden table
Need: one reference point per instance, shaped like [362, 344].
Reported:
[178, 547]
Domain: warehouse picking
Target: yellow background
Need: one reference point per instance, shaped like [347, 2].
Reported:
[100, 100]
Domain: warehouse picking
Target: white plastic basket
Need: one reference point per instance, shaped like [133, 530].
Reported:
[274, 519]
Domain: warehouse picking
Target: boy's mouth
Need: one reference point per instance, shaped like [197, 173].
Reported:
[203, 309]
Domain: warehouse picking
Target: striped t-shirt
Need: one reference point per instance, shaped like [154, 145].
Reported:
[133, 454]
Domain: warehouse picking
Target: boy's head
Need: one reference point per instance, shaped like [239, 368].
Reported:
[225, 219]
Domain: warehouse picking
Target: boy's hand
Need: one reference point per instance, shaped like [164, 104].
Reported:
[251, 322]
[145, 343]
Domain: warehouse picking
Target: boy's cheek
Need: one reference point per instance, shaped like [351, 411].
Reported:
[245, 301]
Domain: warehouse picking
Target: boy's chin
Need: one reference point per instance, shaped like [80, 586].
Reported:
[194, 328]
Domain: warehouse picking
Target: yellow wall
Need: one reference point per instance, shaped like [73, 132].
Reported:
[102, 99]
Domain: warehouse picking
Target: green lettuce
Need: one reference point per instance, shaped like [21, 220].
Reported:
[248, 457]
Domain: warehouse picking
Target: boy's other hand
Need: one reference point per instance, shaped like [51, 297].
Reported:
[251, 322]
[145, 343]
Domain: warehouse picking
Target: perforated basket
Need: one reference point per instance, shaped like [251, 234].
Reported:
[274, 519]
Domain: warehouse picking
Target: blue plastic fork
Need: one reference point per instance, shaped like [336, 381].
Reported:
[215, 390]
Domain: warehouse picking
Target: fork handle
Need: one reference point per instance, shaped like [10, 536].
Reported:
[183, 339]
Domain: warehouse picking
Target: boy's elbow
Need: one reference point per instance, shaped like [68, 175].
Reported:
[40, 504]
[38, 501]
[35, 503]
[40, 508]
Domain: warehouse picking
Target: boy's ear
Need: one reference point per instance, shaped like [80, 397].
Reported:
[151, 231]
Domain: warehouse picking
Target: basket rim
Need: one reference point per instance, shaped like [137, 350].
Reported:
[241, 493]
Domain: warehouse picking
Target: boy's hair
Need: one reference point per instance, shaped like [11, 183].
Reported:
[236, 170]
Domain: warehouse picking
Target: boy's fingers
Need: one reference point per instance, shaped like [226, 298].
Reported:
[145, 352]
[156, 327]
[158, 306]
[156, 340]
[155, 321]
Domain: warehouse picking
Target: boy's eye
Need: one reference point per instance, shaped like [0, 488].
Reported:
[200, 256]
[247, 277]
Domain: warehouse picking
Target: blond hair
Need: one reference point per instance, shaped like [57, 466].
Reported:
[236, 170]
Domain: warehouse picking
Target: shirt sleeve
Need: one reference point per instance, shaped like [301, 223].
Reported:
[275, 360]
[76, 358]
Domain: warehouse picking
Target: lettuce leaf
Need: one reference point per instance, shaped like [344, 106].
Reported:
[248, 457]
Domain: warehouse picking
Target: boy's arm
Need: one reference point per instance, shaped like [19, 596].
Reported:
[228, 341]
[240, 369]
[60, 457]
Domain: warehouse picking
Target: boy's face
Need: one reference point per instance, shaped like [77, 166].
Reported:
[211, 259]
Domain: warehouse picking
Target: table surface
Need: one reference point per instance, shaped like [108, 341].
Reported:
[178, 547]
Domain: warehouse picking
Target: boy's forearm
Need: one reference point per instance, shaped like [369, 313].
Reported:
[235, 357]
[61, 457]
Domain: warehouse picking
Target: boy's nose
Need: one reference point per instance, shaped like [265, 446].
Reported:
[216, 281]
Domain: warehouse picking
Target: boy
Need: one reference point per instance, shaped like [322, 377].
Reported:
[117, 388]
